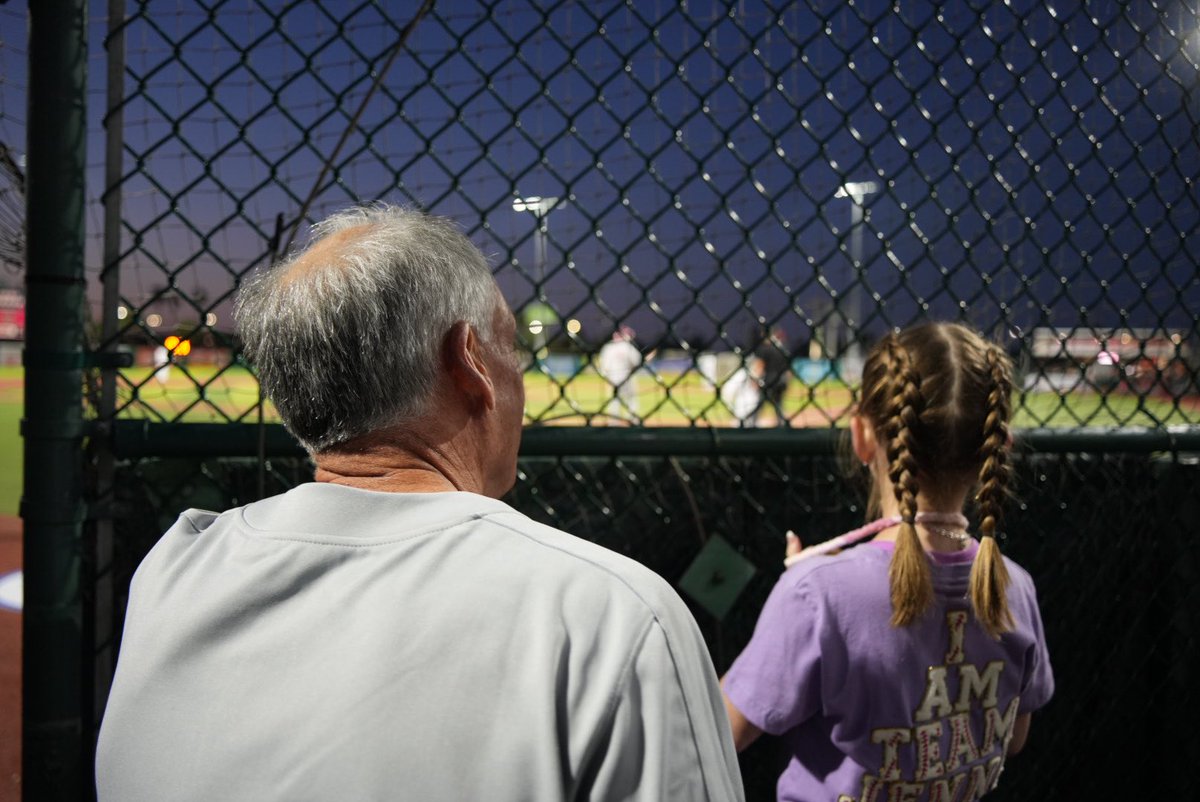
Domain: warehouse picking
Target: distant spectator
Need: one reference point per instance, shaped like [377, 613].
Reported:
[741, 394]
[775, 361]
[706, 364]
[617, 363]
[162, 364]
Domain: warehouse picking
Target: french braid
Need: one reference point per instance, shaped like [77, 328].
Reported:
[989, 576]
[909, 575]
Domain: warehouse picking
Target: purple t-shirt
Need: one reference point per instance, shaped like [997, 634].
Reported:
[873, 713]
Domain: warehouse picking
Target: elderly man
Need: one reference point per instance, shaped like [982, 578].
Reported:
[391, 631]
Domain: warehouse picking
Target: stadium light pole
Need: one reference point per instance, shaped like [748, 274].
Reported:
[856, 191]
[540, 208]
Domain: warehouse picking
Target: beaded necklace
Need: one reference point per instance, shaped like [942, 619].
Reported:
[953, 527]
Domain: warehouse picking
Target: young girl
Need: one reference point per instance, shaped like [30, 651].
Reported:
[906, 668]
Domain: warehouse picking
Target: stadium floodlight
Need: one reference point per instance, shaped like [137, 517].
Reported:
[536, 204]
[856, 191]
[540, 208]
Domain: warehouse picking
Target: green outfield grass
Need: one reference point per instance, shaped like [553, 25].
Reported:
[11, 403]
[190, 394]
[206, 393]
[1091, 409]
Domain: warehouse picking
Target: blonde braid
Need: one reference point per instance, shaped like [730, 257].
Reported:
[989, 576]
[909, 575]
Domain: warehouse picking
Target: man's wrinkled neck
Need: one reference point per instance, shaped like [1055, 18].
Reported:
[400, 460]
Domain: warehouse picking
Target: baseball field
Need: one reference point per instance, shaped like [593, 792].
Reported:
[206, 393]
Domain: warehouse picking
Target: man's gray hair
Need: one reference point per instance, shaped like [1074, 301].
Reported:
[351, 344]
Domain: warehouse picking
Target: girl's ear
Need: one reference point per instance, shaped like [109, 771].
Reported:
[862, 439]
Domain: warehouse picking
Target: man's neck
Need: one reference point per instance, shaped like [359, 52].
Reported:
[402, 480]
[396, 463]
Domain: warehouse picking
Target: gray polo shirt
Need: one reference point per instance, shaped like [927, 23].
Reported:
[340, 644]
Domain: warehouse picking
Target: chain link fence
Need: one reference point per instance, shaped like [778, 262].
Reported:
[747, 193]
[703, 214]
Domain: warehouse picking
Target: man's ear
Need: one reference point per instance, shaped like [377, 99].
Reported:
[463, 359]
[862, 439]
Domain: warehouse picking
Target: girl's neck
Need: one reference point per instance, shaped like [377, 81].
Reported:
[945, 500]
[936, 534]
[940, 537]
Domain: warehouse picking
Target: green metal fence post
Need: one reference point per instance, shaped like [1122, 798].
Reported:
[101, 580]
[55, 761]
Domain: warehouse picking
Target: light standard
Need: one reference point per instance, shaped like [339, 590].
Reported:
[857, 192]
[540, 208]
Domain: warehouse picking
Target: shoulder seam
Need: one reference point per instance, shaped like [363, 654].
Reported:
[649, 607]
[263, 534]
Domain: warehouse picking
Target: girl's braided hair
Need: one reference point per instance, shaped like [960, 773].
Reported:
[939, 396]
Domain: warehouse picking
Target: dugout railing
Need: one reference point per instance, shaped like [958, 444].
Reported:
[706, 173]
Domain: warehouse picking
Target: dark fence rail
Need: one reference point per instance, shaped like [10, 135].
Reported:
[145, 439]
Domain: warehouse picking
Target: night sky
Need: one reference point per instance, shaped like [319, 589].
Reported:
[1035, 164]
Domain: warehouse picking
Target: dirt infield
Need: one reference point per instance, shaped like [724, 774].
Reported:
[10, 670]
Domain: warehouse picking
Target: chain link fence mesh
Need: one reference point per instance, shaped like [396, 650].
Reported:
[731, 201]
[749, 192]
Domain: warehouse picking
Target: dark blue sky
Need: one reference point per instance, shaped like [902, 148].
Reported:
[699, 147]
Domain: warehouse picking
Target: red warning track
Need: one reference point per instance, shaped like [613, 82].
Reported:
[10, 669]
